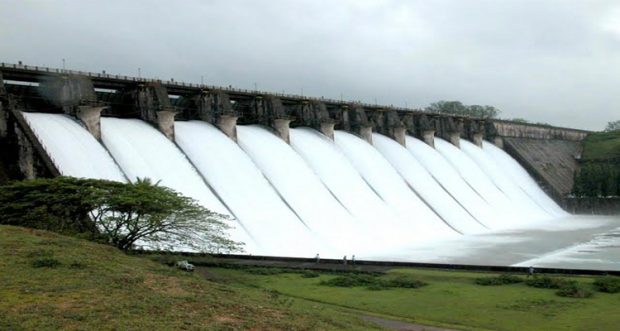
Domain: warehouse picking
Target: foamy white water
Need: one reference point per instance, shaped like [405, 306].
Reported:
[480, 183]
[423, 183]
[451, 181]
[246, 192]
[144, 152]
[374, 217]
[74, 151]
[391, 187]
[523, 179]
[320, 153]
[524, 205]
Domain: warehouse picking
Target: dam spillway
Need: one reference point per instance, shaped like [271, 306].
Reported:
[380, 185]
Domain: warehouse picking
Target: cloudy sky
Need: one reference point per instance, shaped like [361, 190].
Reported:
[546, 61]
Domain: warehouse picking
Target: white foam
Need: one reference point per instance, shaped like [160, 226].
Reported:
[244, 189]
[423, 183]
[524, 206]
[452, 182]
[74, 151]
[523, 179]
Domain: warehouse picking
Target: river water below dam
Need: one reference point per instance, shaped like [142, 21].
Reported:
[380, 201]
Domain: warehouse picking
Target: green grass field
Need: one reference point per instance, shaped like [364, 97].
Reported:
[52, 282]
[452, 299]
[602, 146]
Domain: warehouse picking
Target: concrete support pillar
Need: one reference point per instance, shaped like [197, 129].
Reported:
[4, 115]
[455, 139]
[91, 117]
[228, 125]
[477, 139]
[366, 133]
[327, 128]
[499, 142]
[165, 123]
[26, 155]
[281, 125]
[429, 137]
[400, 134]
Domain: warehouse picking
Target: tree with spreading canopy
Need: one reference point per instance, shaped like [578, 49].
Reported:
[458, 108]
[613, 126]
[125, 215]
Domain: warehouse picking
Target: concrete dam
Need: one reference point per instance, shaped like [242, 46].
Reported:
[303, 176]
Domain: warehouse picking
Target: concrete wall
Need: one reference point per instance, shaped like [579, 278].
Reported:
[552, 162]
[550, 154]
[534, 131]
[592, 206]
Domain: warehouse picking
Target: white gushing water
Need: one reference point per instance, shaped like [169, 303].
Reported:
[423, 183]
[317, 196]
[523, 179]
[528, 210]
[143, 152]
[244, 189]
[74, 151]
[391, 187]
[451, 181]
[374, 217]
[480, 183]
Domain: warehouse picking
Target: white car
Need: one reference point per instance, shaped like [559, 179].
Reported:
[184, 265]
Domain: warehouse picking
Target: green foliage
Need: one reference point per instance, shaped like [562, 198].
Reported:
[61, 204]
[458, 108]
[608, 284]
[310, 274]
[403, 281]
[519, 120]
[573, 290]
[264, 271]
[546, 282]
[123, 214]
[597, 180]
[503, 279]
[373, 282]
[45, 262]
[613, 126]
[351, 280]
[602, 146]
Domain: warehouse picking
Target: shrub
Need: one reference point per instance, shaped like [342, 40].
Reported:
[264, 271]
[404, 282]
[608, 284]
[372, 282]
[123, 214]
[573, 290]
[310, 274]
[547, 282]
[351, 280]
[503, 279]
[45, 262]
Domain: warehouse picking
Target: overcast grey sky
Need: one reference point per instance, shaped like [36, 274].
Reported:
[546, 61]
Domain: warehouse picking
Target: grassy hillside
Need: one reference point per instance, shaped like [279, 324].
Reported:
[602, 146]
[52, 282]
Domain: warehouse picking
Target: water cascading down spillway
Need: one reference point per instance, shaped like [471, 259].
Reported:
[319, 195]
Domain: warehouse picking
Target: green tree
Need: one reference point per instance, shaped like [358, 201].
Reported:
[613, 126]
[458, 108]
[141, 213]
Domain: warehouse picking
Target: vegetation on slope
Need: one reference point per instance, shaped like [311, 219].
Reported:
[602, 146]
[599, 175]
[53, 282]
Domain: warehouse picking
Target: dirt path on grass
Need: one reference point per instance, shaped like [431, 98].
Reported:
[400, 325]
